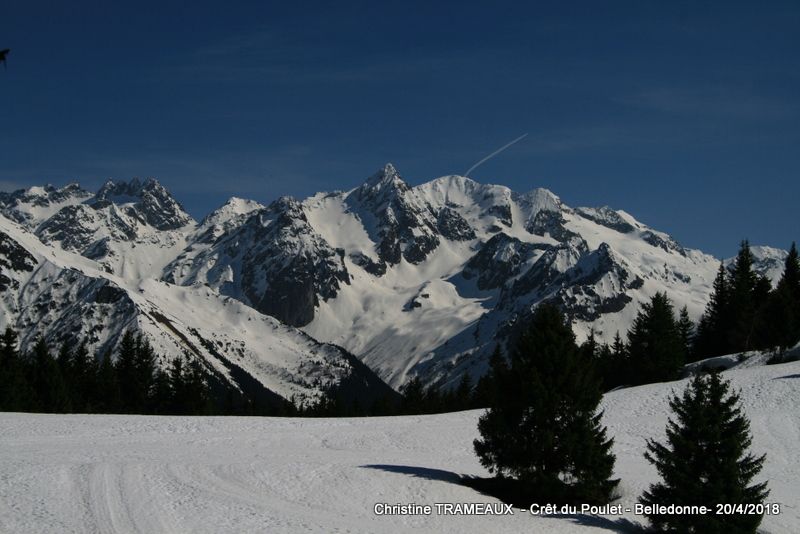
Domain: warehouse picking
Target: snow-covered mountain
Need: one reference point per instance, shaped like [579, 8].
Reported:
[54, 284]
[421, 280]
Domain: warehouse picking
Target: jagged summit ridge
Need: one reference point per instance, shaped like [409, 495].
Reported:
[414, 280]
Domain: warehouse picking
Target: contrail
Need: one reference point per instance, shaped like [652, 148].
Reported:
[493, 154]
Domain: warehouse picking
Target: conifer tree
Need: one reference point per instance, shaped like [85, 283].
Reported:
[16, 394]
[413, 400]
[84, 385]
[462, 394]
[485, 389]
[744, 301]
[144, 369]
[711, 336]
[109, 397]
[177, 385]
[198, 400]
[686, 331]
[126, 373]
[48, 383]
[542, 427]
[655, 349]
[705, 461]
[780, 318]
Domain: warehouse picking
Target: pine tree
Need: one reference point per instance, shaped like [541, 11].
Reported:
[655, 349]
[462, 394]
[744, 301]
[109, 396]
[780, 318]
[413, 400]
[711, 336]
[705, 461]
[198, 399]
[84, 384]
[16, 394]
[145, 370]
[542, 427]
[177, 385]
[686, 331]
[48, 384]
[126, 373]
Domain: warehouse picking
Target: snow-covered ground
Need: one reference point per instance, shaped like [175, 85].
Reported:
[79, 473]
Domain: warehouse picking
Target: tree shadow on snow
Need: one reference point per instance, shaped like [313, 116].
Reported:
[507, 491]
[418, 472]
[786, 377]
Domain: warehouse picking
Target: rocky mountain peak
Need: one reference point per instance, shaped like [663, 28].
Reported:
[33, 205]
[382, 185]
[151, 201]
[541, 199]
[234, 208]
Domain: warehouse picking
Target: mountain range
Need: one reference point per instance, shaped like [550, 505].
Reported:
[360, 288]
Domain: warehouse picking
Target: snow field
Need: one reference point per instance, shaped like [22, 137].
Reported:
[126, 474]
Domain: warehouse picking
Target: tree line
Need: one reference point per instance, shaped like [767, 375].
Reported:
[744, 313]
[72, 380]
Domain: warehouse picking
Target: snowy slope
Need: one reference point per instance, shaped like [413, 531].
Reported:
[60, 295]
[78, 473]
[490, 256]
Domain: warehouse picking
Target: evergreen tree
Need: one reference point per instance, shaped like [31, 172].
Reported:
[744, 301]
[779, 320]
[109, 397]
[462, 395]
[542, 427]
[686, 331]
[656, 351]
[145, 370]
[47, 381]
[161, 398]
[413, 400]
[711, 337]
[127, 375]
[177, 385]
[705, 461]
[16, 394]
[197, 395]
[84, 386]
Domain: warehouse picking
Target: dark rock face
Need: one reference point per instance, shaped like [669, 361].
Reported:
[11, 203]
[405, 224]
[285, 266]
[498, 260]
[153, 204]
[453, 226]
[70, 305]
[13, 257]
[668, 244]
[574, 289]
[375, 268]
[551, 223]
[109, 294]
[607, 217]
[502, 212]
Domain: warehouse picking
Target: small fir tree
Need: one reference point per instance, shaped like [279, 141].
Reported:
[705, 461]
[686, 331]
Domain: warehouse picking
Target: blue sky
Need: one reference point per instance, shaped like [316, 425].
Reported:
[685, 114]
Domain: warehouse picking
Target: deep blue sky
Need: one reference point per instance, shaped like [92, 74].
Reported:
[685, 114]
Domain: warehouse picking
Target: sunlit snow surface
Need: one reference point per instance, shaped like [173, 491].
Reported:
[79, 473]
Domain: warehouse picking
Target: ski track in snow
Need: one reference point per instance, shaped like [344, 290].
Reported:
[141, 474]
